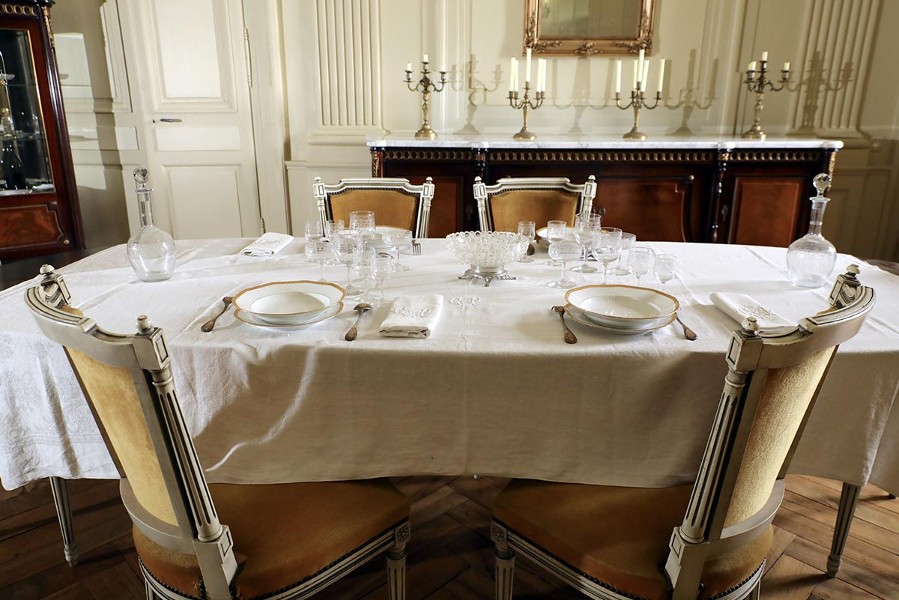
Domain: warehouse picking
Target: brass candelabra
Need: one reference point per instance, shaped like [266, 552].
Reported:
[524, 105]
[757, 82]
[425, 86]
[637, 103]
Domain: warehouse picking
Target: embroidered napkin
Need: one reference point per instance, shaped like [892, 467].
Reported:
[268, 244]
[740, 306]
[412, 316]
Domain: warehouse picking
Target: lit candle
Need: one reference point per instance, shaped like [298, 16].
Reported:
[764, 56]
[513, 75]
[617, 76]
[661, 73]
[409, 67]
[646, 75]
[787, 66]
[541, 74]
[424, 58]
[527, 67]
[751, 65]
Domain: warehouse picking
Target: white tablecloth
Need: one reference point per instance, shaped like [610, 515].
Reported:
[493, 391]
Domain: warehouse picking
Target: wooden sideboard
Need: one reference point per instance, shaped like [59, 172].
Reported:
[697, 190]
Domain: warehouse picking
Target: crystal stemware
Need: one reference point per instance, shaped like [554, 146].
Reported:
[332, 227]
[585, 228]
[556, 231]
[527, 229]
[641, 260]
[363, 221]
[314, 231]
[627, 242]
[396, 238]
[665, 267]
[382, 268]
[348, 250]
[564, 251]
[607, 247]
[319, 251]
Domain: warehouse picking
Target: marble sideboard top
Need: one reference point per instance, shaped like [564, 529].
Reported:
[602, 143]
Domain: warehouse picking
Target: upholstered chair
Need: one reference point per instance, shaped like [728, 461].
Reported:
[218, 541]
[539, 199]
[395, 201]
[707, 539]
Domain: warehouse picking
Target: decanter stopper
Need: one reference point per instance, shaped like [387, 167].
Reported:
[151, 250]
[811, 258]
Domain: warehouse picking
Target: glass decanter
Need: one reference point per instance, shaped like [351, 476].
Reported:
[151, 250]
[810, 259]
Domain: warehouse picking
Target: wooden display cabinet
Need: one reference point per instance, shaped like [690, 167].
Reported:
[39, 211]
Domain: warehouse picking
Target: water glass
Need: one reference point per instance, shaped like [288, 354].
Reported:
[319, 251]
[641, 261]
[527, 229]
[607, 247]
[563, 252]
[556, 231]
[364, 222]
[383, 268]
[627, 242]
[396, 238]
[665, 267]
[332, 227]
[348, 250]
[585, 227]
[314, 231]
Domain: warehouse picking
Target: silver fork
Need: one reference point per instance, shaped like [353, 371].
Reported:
[416, 248]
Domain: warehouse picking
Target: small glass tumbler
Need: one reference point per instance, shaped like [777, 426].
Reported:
[627, 242]
[363, 221]
[665, 267]
[527, 229]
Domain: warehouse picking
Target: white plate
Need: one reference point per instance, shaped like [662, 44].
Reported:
[578, 317]
[623, 306]
[288, 302]
[253, 319]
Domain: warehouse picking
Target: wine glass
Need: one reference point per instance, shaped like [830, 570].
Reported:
[382, 268]
[564, 251]
[585, 227]
[396, 238]
[641, 261]
[314, 231]
[319, 251]
[627, 242]
[607, 247]
[348, 250]
[556, 231]
[665, 267]
[363, 221]
[527, 229]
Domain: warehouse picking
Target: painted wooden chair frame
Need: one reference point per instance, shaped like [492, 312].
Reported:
[752, 353]
[423, 193]
[484, 194]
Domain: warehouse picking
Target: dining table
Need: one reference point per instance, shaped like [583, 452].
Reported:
[494, 390]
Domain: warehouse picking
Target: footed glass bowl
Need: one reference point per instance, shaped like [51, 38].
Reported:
[487, 252]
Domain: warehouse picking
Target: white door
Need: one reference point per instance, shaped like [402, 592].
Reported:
[194, 96]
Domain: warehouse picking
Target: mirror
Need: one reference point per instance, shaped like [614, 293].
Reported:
[585, 27]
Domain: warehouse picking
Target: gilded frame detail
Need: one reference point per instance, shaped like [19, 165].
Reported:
[627, 44]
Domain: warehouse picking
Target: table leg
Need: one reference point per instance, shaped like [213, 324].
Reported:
[848, 500]
[64, 514]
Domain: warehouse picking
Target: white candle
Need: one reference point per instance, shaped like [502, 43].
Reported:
[661, 73]
[646, 75]
[751, 65]
[642, 57]
[527, 67]
[617, 76]
[541, 74]
[765, 55]
[443, 68]
[424, 58]
[513, 75]
[787, 66]
[636, 70]
[409, 67]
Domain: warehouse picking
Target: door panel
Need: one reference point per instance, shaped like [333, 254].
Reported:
[766, 210]
[202, 195]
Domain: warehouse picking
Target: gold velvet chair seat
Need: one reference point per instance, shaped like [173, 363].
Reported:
[396, 202]
[708, 539]
[539, 199]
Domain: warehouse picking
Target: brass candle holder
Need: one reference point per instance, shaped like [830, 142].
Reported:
[757, 82]
[524, 105]
[637, 103]
[425, 86]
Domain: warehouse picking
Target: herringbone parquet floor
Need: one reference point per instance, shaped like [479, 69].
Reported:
[450, 556]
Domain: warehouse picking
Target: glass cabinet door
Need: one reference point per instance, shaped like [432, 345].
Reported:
[24, 164]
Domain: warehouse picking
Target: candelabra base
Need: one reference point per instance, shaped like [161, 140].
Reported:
[634, 134]
[426, 133]
[525, 134]
[755, 133]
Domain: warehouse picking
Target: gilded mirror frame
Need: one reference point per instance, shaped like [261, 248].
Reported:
[628, 43]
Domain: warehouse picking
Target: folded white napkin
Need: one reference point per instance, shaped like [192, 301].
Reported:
[740, 306]
[412, 316]
[269, 243]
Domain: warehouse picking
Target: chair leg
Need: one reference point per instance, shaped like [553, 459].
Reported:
[396, 564]
[504, 557]
[64, 514]
[848, 501]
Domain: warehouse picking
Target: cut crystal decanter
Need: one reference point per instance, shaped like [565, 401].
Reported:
[151, 250]
[810, 259]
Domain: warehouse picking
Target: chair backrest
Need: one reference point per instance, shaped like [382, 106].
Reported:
[127, 380]
[773, 379]
[395, 201]
[539, 199]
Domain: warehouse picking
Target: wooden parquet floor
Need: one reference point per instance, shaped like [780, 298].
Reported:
[450, 556]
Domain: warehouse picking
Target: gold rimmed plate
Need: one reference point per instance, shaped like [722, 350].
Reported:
[579, 317]
[288, 302]
[253, 319]
[623, 306]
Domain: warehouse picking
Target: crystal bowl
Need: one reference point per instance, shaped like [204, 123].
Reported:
[487, 250]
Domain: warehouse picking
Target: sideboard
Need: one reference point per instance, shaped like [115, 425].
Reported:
[721, 190]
